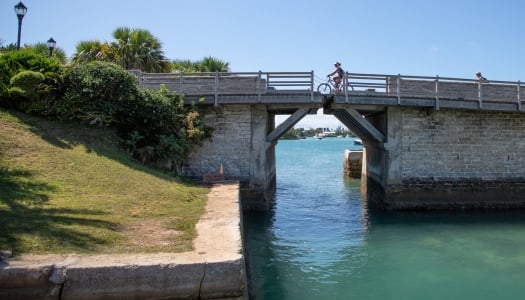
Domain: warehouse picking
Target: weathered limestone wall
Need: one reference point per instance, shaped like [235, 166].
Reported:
[239, 145]
[463, 144]
[229, 146]
[453, 158]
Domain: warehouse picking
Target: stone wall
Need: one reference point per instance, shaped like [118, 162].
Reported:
[229, 146]
[239, 144]
[462, 144]
[450, 159]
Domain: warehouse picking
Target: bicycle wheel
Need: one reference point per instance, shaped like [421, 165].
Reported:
[324, 88]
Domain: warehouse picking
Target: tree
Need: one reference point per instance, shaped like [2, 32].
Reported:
[207, 64]
[183, 65]
[91, 51]
[42, 49]
[138, 49]
[211, 64]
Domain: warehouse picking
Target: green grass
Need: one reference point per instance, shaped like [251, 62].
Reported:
[65, 188]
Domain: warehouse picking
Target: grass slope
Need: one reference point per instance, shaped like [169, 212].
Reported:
[65, 188]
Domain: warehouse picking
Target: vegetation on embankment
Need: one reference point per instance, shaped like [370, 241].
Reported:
[67, 188]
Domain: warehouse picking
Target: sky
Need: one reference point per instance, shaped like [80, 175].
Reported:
[449, 38]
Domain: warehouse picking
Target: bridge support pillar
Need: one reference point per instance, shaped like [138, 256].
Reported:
[240, 148]
[258, 193]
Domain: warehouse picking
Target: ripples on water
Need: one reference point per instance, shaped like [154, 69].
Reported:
[319, 242]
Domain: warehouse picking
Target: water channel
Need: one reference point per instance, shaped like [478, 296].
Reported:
[321, 242]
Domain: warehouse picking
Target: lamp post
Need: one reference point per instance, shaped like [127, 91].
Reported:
[51, 44]
[20, 10]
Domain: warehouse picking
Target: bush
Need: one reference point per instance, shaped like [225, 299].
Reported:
[95, 92]
[14, 62]
[25, 90]
[29, 82]
[158, 127]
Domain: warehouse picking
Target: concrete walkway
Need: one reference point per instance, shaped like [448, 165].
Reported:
[214, 270]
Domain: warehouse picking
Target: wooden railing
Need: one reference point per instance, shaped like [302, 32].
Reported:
[357, 84]
[437, 88]
[228, 83]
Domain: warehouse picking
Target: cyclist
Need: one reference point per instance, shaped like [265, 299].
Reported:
[340, 73]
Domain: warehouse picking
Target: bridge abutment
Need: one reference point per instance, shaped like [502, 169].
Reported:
[447, 159]
[239, 144]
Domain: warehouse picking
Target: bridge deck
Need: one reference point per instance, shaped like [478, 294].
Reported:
[290, 90]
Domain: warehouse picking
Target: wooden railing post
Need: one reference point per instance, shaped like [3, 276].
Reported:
[398, 89]
[259, 86]
[437, 92]
[216, 89]
[480, 95]
[312, 85]
[519, 95]
[181, 91]
[345, 84]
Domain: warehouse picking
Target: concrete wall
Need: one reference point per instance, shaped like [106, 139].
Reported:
[450, 159]
[353, 163]
[214, 270]
[239, 144]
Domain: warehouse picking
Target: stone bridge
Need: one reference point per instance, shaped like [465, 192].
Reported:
[429, 142]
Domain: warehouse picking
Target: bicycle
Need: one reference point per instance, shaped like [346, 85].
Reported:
[330, 86]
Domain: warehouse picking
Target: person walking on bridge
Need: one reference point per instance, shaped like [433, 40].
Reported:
[340, 73]
[480, 77]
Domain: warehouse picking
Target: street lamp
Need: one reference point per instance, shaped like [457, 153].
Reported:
[20, 10]
[51, 44]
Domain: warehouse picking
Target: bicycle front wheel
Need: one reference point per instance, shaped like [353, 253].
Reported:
[324, 88]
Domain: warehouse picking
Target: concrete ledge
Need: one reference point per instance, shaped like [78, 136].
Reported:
[353, 162]
[214, 270]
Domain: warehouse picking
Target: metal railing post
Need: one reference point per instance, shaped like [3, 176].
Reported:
[259, 86]
[216, 89]
[398, 89]
[437, 92]
[312, 85]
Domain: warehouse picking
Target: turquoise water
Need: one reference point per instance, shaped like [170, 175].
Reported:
[320, 241]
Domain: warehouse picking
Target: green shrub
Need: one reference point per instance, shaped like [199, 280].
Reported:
[158, 127]
[41, 98]
[29, 82]
[94, 92]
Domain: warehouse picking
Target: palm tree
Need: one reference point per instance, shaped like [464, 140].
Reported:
[207, 64]
[212, 64]
[183, 65]
[42, 49]
[138, 49]
[92, 50]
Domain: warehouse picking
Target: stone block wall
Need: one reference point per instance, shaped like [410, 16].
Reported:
[450, 159]
[452, 144]
[229, 146]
